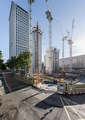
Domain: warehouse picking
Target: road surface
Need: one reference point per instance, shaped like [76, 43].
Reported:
[31, 104]
[12, 83]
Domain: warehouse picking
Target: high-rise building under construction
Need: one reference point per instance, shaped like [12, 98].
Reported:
[37, 48]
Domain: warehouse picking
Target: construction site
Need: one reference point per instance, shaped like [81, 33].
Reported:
[53, 90]
[65, 81]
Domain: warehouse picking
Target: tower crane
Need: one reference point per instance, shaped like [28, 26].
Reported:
[50, 18]
[63, 39]
[70, 44]
[30, 28]
[30, 22]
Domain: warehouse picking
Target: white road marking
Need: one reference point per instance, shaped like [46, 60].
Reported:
[65, 109]
[73, 109]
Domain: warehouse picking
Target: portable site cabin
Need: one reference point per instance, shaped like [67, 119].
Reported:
[70, 88]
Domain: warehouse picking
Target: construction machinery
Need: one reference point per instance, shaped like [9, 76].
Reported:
[71, 87]
[49, 18]
[70, 44]
[63, 39]
[30, 28]
[68, 37]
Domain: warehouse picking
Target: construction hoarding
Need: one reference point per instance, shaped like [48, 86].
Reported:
[64, 88]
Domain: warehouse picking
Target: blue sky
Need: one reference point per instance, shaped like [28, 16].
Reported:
[63, 10]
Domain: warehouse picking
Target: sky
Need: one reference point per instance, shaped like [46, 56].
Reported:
[64, 11]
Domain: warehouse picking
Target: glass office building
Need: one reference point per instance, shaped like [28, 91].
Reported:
[18, 30]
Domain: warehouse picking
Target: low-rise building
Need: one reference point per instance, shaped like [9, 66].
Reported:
[78, 62]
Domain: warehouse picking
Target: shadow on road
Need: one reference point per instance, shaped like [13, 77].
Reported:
[30, 96]
[51, 101]
[56, 100]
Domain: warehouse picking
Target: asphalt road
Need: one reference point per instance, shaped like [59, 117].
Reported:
[30, 104]
[11, 83]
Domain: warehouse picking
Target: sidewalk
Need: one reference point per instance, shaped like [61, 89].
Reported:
[49, 98]
[2, 91]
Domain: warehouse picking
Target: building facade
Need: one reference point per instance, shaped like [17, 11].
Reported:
[77, 62]
[18, 30]
[52, 60]
[22, 39]
[36, 34]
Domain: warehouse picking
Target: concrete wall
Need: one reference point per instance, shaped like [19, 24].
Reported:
[77, 62]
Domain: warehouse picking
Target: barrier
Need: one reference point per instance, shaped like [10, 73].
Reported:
[71, 89]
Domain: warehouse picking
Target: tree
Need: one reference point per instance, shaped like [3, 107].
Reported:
[1, 60]
[3, 66]
[22, 60]
[0, 54]
[25, 61]
[11, 63]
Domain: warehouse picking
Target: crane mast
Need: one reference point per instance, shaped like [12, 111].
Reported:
[63, 39]
[30, 23]
[70, 50]
[69, 39]
[50, 18]
[70, 45]
[30, 28]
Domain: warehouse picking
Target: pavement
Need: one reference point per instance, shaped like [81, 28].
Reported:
[10, 103]
[47, 87]
[2, 90]
[45, 104]
[32, 104]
